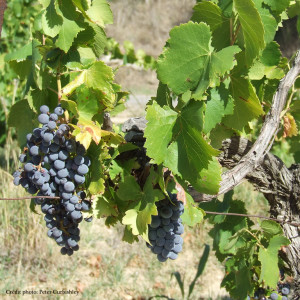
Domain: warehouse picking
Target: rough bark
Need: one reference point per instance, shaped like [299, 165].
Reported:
[281, 187]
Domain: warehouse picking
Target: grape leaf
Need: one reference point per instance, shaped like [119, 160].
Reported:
[96, 182]
[51, 20]
[277, 6]
[270, 228]
[67, 33]
[211, 14]
[139, 216]
[128, 236]
[269, 260]
[23, 124]
[192, 214]
[175, 140]
[87, 103]
[253, 30]
[100, 13]
[268, 20]
[271, 55]
[129, 189]
[190, 63]
[210, 178]
[247, 105]
[85, 131]
[219, 104]
[104, 207]
[99, 77]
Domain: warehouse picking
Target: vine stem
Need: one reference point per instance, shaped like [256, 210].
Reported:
[252, 216]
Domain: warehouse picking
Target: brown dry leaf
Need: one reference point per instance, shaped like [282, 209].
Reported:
[80, 287]
[43, 278]
[94, 261]
[95, 273]
[290, 126]
[159, 285]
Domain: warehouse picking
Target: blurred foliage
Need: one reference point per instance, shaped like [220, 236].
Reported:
[16, 31]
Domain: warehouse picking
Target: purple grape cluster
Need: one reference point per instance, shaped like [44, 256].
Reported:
[54, 165]
[166, 229]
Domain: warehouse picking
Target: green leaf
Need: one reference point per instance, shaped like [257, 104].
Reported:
[20, 54]
[270, 227]
[100, 13]
[192, 214]
[175, 140]
[23, 119]
[143, 206]
[253, 30]
[247, 106]
[269, 260]
[271, 55]
[210, 178]
[128, 236]
[104, 207]
[243, 282]
[99, 77]
[219, 104]
[87, 102]
[277, 6]
[211, 14]
[51, 20]
[100, 40]
[190, 63]
[200, 269]
[129, 189]
[269, 22]
[160, 125]
[96, 182]
[67, 34]
[179, 281]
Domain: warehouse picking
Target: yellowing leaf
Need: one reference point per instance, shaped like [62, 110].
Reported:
[85, 131]
[290, 126]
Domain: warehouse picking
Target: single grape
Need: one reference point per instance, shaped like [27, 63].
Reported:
[23, 158]
[79, 160]
[59, 111]
[166, 212]
[285, 291]
[53, 117]
[63, 173]
[79, 179]
[48, 136]
[274, 296]
[59, 164]
[43, 118]
[85, 205]
[63, 154]
[161, 258]
[51, 125]
[69, 186]
[74, 199]
[155, 222]
[28, 167]
[44, 109]
[82, 169]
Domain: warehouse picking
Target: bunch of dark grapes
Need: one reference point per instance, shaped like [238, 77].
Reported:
[166, 229]
[54, 165]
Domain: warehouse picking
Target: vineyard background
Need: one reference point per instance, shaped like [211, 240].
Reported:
[105, 267]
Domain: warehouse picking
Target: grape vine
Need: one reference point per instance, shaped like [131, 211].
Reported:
[217, 75]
